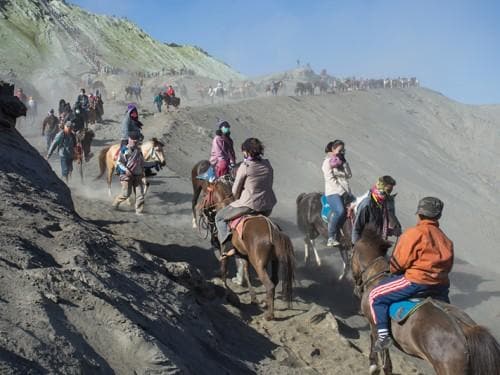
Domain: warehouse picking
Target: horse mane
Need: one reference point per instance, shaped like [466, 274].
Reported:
[371, 236]
[156, 142]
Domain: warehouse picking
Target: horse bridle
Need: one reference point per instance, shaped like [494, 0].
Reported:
[360, 284]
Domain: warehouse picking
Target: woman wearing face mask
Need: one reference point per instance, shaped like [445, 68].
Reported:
[252, 188]
[222, 154]
[131, 126]
[336, 172]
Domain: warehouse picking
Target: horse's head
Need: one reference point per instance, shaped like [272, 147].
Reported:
[394, 224]
[218, 194]
[366, 252]
[156, 153]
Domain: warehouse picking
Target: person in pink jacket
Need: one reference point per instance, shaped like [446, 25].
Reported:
[222, 155]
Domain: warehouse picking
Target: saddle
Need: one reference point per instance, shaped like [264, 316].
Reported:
[238, 225]
[326, 209]
[402, 310]
[209, 175]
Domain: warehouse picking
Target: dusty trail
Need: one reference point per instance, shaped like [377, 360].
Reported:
[335, 343]
[322, 333]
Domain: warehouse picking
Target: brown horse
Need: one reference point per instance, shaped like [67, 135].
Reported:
[260, 242]
[151, 150]
[437, 332]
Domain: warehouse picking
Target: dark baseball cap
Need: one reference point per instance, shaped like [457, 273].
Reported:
[430, 207]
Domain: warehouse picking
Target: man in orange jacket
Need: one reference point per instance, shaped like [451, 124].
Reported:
[421, 262]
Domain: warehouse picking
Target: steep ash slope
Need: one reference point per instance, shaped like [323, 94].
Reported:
[430, 144]
[73, 300]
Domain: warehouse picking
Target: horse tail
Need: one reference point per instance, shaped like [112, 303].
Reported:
[484, 350]
[102, 161]
[284, 252]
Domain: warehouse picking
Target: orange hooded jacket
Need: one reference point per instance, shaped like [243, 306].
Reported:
[424, 254]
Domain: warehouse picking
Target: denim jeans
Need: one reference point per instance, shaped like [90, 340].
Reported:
[226, 214]
[66, 166]
[396, 288]
[338, 216]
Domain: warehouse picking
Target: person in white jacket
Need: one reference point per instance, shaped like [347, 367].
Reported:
[336, 172]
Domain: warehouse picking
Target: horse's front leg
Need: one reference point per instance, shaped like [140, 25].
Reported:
[223, 271]
[246, 277]
[344, 256]
[316, 254]
[270, 287]
[146, 185]
[374, 369]
[387, 362]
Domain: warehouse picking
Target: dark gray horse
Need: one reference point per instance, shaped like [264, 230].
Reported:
[312, 225]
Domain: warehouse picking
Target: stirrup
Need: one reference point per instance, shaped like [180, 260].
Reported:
[228, 254]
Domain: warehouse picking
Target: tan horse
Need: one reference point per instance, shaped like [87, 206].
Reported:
[151, 150]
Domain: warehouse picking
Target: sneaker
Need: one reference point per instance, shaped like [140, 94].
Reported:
[382, 344]
[139, 213]
[236, 280]
[332, 242]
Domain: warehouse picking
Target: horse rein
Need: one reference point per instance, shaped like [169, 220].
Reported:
[359, 287]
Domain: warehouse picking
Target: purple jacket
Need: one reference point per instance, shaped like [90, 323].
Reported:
[222, 149]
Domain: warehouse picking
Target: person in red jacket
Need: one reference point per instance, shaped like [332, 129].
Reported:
[420, 263]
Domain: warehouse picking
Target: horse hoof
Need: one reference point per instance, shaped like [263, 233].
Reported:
[269, 317]
[374, 370]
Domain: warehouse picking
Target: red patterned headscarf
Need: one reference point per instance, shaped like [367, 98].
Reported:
[378, 195]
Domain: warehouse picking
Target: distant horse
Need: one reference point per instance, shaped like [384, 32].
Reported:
[275, 87]
[304, 88]
[437, 332]
[133, 90]
[259, 243]
[151, 150]
[171, 100]
[322, 85]
[312, 225]
[219, 92]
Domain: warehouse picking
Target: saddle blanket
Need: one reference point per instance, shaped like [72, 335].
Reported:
[326, 209]
[209, 175]
[237, 224]
[401, 310]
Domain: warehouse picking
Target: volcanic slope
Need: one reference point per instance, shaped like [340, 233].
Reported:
[49, 43]
[430, 144]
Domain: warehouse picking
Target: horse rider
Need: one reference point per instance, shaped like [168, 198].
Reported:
[130, 166]
[65, 143]
[170, 91]
[131, 126]
[83, 100]
[336, 172]
[50, 127]
[420, 263]
[253, 190]
[374, 210]
[66, 115]
[222, 155]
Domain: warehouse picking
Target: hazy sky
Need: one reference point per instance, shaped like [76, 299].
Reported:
[450, 46]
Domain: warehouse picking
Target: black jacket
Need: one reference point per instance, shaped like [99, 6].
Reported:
[368, 213]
